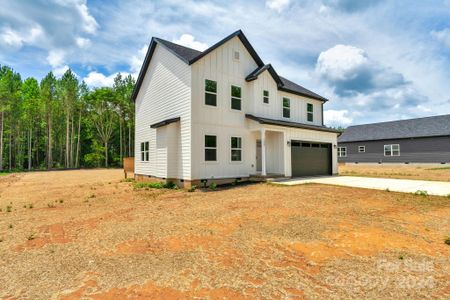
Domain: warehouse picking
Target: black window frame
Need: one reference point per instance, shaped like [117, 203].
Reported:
[266, 97]
[145, 151]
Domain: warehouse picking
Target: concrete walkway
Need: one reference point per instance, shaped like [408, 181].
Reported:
[437, 188]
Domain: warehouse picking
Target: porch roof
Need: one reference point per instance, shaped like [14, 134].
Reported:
[289, 124]
[165, 122]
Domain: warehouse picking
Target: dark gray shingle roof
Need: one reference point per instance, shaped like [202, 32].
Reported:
[189, 56]
[186, 54]
[284, 123]
[421, 127]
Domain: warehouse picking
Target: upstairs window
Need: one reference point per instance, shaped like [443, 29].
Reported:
[236, 148]
[266, 97]
[210, 92]
[236, 55]
[210, 148]
[392, 150]
[236, 97]
[286, 108]
[145, 151]
[342, 151]
[361, 149]
[310, 112]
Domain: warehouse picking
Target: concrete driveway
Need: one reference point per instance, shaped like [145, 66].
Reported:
[437, 188]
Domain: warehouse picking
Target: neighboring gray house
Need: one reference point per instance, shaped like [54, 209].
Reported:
[422, 140]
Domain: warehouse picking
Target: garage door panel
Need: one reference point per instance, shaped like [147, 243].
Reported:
[310, 159]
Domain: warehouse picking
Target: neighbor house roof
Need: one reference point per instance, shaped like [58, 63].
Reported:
[412, 128]
[267, 121]
[190, 56]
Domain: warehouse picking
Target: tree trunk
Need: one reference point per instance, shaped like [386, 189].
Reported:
[106, 154]
[67, 140]
[2, 114]
[78, 142]
[129, 140]
[30, 132]
[121, 144]
[72, 138]
[10, 150]
[49, 150]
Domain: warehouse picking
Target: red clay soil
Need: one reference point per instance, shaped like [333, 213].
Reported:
[89, 235]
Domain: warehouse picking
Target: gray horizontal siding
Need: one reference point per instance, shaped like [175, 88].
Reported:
[419, 150]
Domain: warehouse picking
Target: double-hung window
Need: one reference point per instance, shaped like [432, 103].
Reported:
[361, 149]
[342, 151]
[286, 108]
[210, 148]
[309, 112]
[145, 151]
[236, 100]
[392, 150]
[236, 148]
[266, 97]
[210, 92]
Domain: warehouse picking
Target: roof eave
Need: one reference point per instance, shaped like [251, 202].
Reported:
[302, 94]
[290, 124]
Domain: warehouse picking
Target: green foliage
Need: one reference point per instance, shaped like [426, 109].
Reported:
[192, 188]
[155, 185]
[447, 241]
[213, 186]
[421, 193]
[61, 123]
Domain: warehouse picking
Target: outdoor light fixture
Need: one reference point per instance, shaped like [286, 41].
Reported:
[334, 146]
[289, 143]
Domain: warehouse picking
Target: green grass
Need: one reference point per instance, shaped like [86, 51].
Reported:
[154, 185]
[439, 168]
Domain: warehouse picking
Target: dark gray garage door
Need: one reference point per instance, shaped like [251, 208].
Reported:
[310, 159]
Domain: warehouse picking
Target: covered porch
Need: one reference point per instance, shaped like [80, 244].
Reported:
[269, 153]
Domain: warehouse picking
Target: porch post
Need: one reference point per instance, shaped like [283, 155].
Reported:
[263, 152]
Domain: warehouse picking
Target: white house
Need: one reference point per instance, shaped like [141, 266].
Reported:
[222, 114]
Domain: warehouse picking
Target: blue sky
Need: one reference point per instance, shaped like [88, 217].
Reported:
[375, 60]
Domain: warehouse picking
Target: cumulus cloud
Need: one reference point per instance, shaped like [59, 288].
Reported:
[349, 70]
[188, 40]
[351, 5]
[96, 79]
[56, 57]
[17, 39]
[136, 61]
[277, 5]
[443, 36]
[83, 42]
[337, 117]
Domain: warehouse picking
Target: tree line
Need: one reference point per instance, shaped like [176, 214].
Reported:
[62, 123]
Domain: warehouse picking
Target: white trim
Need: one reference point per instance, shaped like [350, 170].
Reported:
[283, 107]
[211, 93]
[363, 149]
[230, 149]
[339, 151]
[307, 112]
[268, 97]
[204, 148]
[231, 98]
[391, 146]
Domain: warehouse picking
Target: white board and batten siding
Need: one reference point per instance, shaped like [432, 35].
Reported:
[169, 146]
[222, 121]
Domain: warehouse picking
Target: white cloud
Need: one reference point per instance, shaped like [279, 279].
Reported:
[188, 40]
[16, 39]
[442, 36]
[59, 71]
[56, 57]
[337, 117]
[90, 25]
[278, 5]
[136, 61]
[96, 79]
[82, 42]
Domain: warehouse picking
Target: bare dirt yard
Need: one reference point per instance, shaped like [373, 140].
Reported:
[402, 171]
[87, 234]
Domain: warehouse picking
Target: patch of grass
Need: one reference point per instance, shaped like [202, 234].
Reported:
[61, 201]
[388, 190]
[213, 186]
[155, 185]
[128, 180]
[447, 241]
[51, 205]
[9, 208]
[30, 206]
[421, 193]
[438, 168]
[10, 226]
[32, 236]
[401, 257]
[192, 188]
[1, 239]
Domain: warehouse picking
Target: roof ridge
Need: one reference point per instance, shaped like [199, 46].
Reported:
[402, 120]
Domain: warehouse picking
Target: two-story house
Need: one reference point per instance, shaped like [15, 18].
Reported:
[222, 114]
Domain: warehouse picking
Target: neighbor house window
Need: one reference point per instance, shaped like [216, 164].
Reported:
[361, 149]
[210, 92]
[210, 148]
[286, 108]
[342, 151]
[266, 97]
[392, 150]
[309, 112]
[236, 148]
[145, 151]
[236, 97]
